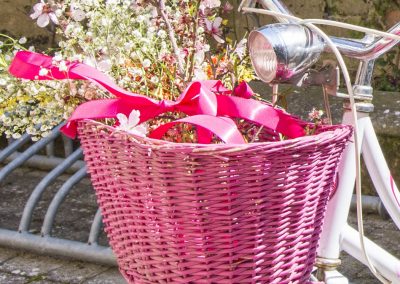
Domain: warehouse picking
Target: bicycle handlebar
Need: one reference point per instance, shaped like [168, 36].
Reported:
[363, 49]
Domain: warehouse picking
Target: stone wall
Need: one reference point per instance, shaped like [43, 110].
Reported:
[380, 14]
[15, 21]
[14, 14]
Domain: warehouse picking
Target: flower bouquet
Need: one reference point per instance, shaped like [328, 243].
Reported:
[148, 47]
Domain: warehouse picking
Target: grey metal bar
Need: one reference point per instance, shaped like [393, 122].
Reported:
[68, 145]
[371, 204]
[59, 198]
[32, 150]
[41, 187]
[58, 247]
[14, 146]
[50, 149]
[41, 162]
[96, 228]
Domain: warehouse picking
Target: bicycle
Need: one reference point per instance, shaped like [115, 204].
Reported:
[337, 234]
[285, 52]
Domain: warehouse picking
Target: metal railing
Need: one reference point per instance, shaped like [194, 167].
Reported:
[45, 243]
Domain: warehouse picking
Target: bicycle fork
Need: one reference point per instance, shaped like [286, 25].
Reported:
[337, 235]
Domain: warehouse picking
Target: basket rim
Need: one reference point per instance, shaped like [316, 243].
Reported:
[340, 130]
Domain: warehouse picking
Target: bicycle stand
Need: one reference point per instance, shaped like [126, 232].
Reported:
[44, 243]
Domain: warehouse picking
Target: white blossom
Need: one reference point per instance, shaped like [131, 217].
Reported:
[22, 40]
[210, 4]
[63, 66]
[146, 63]
[131, 124]
[43, 72]
[154, 80]
[105, 65]
[162, 34]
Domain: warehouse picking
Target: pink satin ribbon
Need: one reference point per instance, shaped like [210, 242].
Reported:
[208, 104]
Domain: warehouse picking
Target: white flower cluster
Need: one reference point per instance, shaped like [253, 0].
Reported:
[130, 40]
[31, 107]
[123, 46]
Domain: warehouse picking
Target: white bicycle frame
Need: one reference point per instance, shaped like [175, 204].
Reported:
[337, 235]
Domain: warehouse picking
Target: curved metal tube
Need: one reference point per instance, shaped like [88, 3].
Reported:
[359, 49]
[14, 146]
[41, 187]
[362, 50]
[59, 198]
[68, 145]
[96, 228]
[59, 247]
[32, 150]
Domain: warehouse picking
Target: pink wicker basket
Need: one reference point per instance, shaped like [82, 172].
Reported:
[191, 213]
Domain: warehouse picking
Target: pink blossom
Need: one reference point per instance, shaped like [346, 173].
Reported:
[315, 114]
[213, 28]
[211, 4]
[227, 7]
[183, 53]
[44, 12]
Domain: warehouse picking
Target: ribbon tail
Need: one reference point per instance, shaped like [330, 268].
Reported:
[261, 113]
[27, 65]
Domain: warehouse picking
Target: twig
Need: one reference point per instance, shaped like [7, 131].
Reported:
[193, 55]
[171, 34]
[257, 134]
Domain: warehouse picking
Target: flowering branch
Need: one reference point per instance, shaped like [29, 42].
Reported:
[171, 34]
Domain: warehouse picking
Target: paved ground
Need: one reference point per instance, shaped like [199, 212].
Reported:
[18, 267]
[385, 234]
[73, 222]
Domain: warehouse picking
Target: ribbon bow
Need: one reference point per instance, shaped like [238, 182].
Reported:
[208, 104]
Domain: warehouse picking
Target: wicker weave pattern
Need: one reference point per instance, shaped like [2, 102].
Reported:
[189, 213]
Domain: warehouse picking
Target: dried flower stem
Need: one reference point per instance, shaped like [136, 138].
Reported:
[257, 134]
[193, 55]
[171, 34]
